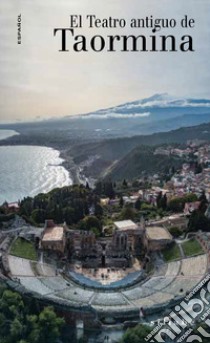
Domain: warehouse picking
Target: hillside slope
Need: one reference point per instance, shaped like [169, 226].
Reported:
[142, 159]
[114, 156]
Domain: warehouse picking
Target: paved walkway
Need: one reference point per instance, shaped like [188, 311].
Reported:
[181, 251]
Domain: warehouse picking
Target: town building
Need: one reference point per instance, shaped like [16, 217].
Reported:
[53, 237]
[157, 238]
[191, 207]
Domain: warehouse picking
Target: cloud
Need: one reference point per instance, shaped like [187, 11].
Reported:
[173, 103]
[115, 116]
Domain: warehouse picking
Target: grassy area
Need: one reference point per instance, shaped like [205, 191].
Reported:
[23, 248]
[172, 253]
[192, 247]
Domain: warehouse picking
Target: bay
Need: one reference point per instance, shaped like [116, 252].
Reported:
[29, 170]
[7, 133]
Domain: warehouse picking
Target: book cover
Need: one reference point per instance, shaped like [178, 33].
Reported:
[105, 171]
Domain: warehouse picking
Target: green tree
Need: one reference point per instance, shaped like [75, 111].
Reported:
[98, 210]
[87, 185]
[204, 202]
[11, 304]
[38, 216]
[125, 184]
[127, 213]
[135, 184]
[33, 328]
[109, 189]
[138, 204]
[163, 202]
[19, 324]
[99, 188]
[176, 204]
[68, 215]
[136, 334]
[198, 221]
[95, 231]
[121, 202]
[16, 330]
[49, 325]
[53, 205]
[175, 231]
[158, 200]
[26, 206]
[191, 197]
[92, 222]
[198, 168]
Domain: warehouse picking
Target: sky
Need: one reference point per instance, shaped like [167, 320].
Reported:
[37, 81]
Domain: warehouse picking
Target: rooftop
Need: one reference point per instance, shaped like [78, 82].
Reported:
[53, 234]
[13, 204]
[124, 225]
[157, 233]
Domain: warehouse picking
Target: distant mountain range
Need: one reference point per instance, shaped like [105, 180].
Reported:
[144, 108]
[158, 113]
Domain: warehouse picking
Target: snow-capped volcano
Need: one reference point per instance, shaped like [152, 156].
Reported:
[160, 112]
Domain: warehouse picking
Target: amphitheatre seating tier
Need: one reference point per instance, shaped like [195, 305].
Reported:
[34, 284]
[57, 299]
[163, 283]
[153, 300]
[194, 266]
[77, 295]
[192, 272]
[161, 271]
[161, 297]
[56, 284]
[23, 267]
[109, 299]
[181, 286]
[180, 277]
[154, 284]
[138, 292]
[173, 269]
[43, 269]
[144, 302]
[20, 266]
[114, 309]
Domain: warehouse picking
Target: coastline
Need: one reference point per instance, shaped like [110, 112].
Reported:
[44, 169]
[75, 173]
[8, 133]
[70, 166]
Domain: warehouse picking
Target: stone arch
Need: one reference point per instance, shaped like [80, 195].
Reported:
[122, 241]
[118, 241]
[126, 241]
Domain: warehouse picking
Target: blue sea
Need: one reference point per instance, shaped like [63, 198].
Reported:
[29, 170]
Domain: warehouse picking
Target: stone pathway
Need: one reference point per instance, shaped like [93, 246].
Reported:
[181, 251]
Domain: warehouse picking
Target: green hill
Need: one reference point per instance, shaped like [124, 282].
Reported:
[142, 159]
[128, 156]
